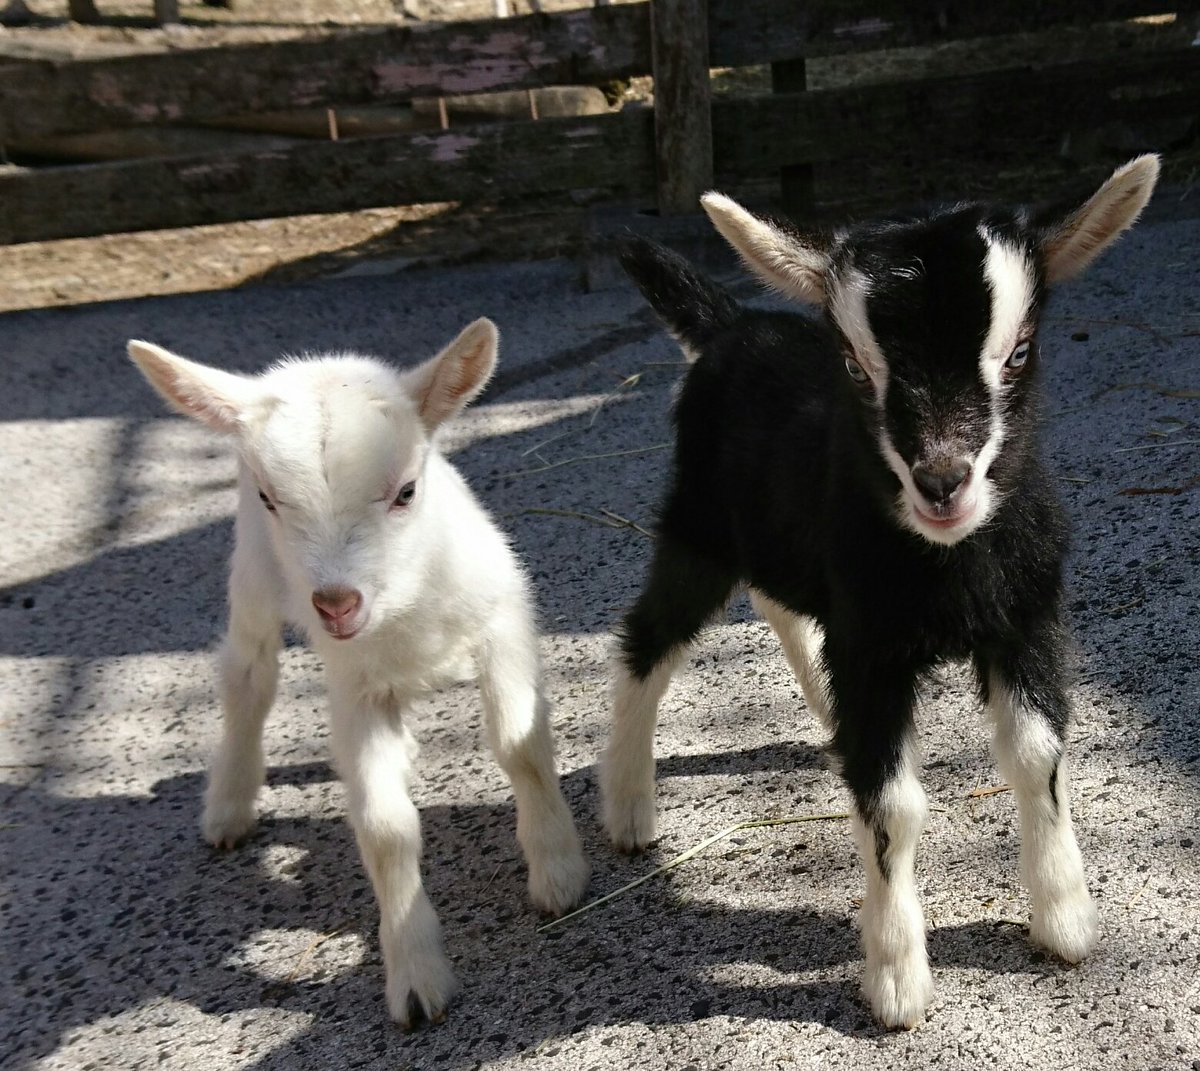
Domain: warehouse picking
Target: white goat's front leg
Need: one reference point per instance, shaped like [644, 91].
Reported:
[249, 670]
[1028, 745]
[801, 639]
[518, 730]
[374, 752]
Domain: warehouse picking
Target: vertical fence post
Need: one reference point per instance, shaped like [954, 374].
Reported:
[682, 112]
[797, 192]
[166, 11]
[83, 11]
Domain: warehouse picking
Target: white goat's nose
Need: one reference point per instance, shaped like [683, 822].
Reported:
[335, 603]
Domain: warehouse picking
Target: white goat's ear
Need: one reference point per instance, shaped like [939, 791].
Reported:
[1070, 243]
[792, 264]
[218, 399]
[454, 378]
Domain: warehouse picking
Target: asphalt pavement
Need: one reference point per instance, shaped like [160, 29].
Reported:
[127, 943]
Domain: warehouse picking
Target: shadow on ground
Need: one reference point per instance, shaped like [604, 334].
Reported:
[166, 917]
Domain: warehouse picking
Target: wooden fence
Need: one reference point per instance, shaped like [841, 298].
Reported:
[673, 151]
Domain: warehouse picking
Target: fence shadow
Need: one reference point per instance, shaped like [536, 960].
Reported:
[123, 884]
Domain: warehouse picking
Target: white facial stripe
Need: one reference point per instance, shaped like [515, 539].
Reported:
[1010, 279]
[848, 306]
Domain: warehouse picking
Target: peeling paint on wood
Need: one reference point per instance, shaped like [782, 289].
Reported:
[478, 163]
[751, 136]
[586, 47]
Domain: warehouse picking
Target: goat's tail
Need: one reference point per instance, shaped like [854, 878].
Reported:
[691, 305]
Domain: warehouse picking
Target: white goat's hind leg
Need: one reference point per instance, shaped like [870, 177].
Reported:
[897, 981]
[801, 638]
[374, 753]
[627, 768]
[249, 670]
[1029, 752]
[518, 730]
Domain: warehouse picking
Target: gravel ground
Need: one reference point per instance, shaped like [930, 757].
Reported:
[126, 943]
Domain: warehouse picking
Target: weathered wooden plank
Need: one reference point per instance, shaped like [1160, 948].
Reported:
[994, 113]
[587, 46]
[999, 113]
[746, 32]
[682, 117]
[483, 163]
[583, 47]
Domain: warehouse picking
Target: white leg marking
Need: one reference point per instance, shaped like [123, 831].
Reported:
[897, 982]
[249, 670]
[801, 639]
[374, 754]
[518, 727]
[1029, 752]
[627, 768]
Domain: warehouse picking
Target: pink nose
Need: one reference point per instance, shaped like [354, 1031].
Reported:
[334, 604]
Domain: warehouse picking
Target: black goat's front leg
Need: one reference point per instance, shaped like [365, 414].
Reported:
[873, 729]
[683, 592]
[1025, 699]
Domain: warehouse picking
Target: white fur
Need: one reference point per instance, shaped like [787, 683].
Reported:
[1094, 226]
[1063, 916]
[801, 639]
[897, 981]
[1010, 277]
[792, 267]
[331, 440]
[627, 768]
[848, 295]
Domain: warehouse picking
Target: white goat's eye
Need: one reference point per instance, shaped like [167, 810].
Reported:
[262, 497]
[1018, 357]
[406, 493]
[856, 370]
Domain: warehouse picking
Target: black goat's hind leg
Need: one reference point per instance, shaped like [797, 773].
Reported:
[683, 592]
[1025, 700]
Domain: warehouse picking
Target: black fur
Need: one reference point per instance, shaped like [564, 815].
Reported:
[778, 483]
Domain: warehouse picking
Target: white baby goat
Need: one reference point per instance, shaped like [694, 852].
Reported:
[352, 525]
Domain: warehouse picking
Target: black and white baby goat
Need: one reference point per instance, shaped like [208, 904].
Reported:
[875, 480]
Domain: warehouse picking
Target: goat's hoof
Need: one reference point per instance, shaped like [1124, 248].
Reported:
[1069, 927]
[630, 822]
[899, 993]
[225, 826]
[557, 884]
[421, 990]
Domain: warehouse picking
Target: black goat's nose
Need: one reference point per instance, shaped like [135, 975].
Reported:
[939, 480]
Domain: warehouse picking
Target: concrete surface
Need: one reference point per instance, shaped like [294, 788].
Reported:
[125, 943]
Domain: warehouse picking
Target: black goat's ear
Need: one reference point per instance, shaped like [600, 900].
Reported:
[1071, 241]
[793, 264]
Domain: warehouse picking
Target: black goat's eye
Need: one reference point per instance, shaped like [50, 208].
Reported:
[262, 497]
[406, 493]
[856, 370]
[1018, 357]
